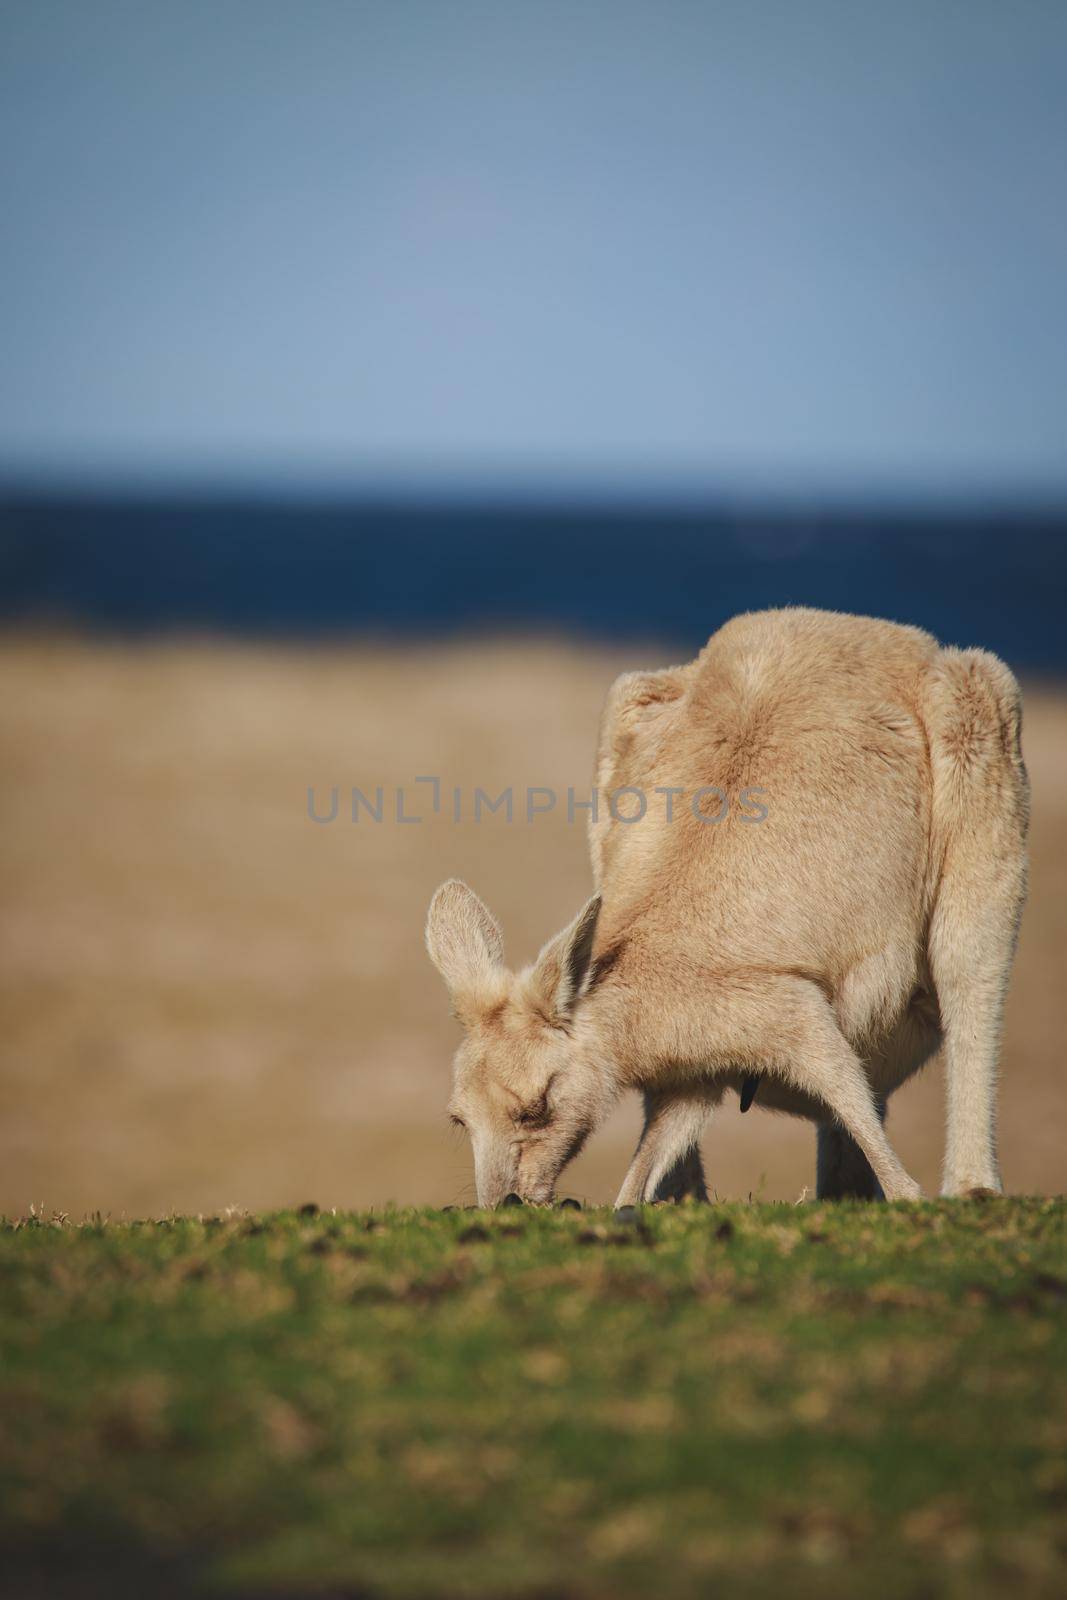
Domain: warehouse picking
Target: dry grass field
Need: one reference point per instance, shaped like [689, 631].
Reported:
[211, 1001]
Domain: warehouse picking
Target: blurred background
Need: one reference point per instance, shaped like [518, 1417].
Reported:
[379, 380]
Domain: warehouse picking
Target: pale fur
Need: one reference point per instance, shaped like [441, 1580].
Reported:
[829, 949]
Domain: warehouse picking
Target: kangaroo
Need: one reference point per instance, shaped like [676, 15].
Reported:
[813, 962]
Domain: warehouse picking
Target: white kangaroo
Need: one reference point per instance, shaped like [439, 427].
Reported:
[811, 949]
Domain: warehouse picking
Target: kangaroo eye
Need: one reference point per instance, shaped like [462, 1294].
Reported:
[539, 1113]
[537, 1116]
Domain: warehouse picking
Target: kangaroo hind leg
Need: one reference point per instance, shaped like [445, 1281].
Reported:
[980, 813]
[820, 1062]
[842, 1170]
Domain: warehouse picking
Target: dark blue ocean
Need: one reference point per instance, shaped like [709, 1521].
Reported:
[311, 568]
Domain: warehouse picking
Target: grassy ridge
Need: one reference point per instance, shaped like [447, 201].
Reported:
[835, 1399]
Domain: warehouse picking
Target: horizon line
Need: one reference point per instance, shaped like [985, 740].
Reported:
[671, 495]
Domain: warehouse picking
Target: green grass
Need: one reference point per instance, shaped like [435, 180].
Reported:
[743, 1400]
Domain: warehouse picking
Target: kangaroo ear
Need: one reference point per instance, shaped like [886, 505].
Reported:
[463, 938]
[561, 970]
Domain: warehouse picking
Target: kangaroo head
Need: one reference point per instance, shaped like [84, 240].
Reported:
[527, 1084]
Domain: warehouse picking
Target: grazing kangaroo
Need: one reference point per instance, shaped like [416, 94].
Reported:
[814, 961]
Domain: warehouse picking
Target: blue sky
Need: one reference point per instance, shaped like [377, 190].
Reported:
[528, 245]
